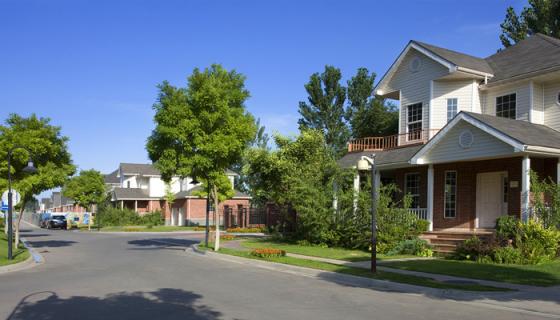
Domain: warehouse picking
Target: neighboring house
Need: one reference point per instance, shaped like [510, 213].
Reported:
[470, 131]
[60, 203]
[141, 189]
[112, 180]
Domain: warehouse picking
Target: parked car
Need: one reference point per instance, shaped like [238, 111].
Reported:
[56, 222]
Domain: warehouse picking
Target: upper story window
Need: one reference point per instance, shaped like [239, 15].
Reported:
[128, 184]
[451, 108]
[505, 106]
[412, 188]
[414, 121]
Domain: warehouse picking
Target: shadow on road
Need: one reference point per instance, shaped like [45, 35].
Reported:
[51, 243]
[162, 243]
[34, 235]
[161, 304]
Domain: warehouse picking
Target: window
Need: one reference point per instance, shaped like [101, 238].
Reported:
[558, 99]
[412, 188]
[505, 106]
[505, 189]
[414, 121]
[450, 192]
[128, 184]
[451, 108]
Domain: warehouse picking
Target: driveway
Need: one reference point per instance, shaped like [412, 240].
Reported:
[132, 276]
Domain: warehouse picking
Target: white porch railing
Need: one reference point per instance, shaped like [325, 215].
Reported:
[421, 213]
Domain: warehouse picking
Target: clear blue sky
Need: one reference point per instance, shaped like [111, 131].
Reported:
[93, 66]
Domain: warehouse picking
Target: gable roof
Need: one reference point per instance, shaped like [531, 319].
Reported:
[387, 157]
[458, 58]
[191, 194]
[139, 168]
[112, 178]
[535, 53]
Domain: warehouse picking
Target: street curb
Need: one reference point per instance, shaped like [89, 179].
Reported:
[34, 259]
[139, 232]
[37, 257]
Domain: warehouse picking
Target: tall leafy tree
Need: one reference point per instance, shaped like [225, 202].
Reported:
[49, 151]
[324, 110]
[260, 141]
[541, 16]
[86, 189]
[203, 129]
[367, 114]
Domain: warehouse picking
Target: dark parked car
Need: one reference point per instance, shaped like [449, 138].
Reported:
[56, 222]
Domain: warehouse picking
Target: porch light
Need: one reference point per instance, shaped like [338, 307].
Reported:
[363, 165]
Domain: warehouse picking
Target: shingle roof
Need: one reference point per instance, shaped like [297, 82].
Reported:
[394, 156]
[458, 58]
[139, 168]
[536, 53]
[112, 178]
[191, 193]
[130, 194]
[525, 132]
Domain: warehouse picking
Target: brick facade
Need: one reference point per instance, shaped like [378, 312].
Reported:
[466, 186]
[195, 210]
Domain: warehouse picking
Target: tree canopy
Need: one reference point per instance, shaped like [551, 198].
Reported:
[86, 189]
[541, 16]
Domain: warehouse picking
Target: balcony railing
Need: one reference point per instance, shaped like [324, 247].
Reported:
[391, 142]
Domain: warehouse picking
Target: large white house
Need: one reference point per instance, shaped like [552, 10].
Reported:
[470, 131]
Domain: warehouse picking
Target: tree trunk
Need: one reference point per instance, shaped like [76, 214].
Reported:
[18, 223]
[217, 220]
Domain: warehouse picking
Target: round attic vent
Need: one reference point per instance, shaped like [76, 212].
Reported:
[415, 64]
[466, 139]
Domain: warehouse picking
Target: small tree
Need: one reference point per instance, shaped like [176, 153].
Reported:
[202, 130]
[169, 197]
[86, 189]
[49, 152]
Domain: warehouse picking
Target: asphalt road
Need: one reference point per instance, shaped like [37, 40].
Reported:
[133, 276]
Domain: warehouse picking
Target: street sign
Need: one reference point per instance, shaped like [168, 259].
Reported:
[16, 198]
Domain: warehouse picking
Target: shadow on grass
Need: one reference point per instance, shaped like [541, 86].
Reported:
[161, 304]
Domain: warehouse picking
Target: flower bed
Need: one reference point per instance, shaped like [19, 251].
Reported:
[244, 230]
[227, 237]
[268, 253]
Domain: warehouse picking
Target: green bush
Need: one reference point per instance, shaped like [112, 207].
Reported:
[536, 242]
[109, 216]
[507, 255]
[473, 249]
[506, 227]
[417, 247]
[1, 222]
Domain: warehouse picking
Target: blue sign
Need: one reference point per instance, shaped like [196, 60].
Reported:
[4, 206]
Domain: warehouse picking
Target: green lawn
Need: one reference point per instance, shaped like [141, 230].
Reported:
[315, 251]
[143, 228]
[20, 254]
[380, 275]
[546, 274]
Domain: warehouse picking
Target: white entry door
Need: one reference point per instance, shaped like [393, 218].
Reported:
[489, 198]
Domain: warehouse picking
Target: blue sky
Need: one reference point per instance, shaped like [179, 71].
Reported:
[93, 66]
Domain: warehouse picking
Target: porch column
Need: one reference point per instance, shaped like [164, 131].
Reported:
[430, 197]
[356, 190]
[525, 187]
[122, 204]
[335, 198]
[136, 206]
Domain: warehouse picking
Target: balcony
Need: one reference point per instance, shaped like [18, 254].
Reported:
[391, 142]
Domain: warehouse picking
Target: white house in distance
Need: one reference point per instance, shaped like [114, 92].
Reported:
[470, 131]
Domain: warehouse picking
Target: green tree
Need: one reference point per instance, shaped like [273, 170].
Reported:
[86, 189]
[541, 16]
[202, 130]
[367, 114]
[49, 152]
[325, 110]
[169, 197]
[261, 142]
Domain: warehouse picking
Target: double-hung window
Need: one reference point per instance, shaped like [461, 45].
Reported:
[450, 193]
[412, 188]
[505, 106]
[451, 108]
[414, 121]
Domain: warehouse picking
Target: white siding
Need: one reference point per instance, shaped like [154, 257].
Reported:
[538, 104]
[127, 179]
[483, 146]
[522, 95]
[476, 101]
[415, 86]
[443, 90]
[551, 108]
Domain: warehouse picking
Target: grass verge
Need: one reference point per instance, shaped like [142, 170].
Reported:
[545, 274]
[20, 254]
[316, 251]
[380, 275]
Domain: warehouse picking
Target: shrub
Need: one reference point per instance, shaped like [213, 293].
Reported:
[153, 218]
[536, 242]
[506, 227]
[1, 222]
[268, 253]
[473, 249]
[244, 230]
[227, 237]
[203, 228]
[508, 255]
[109, 216]
[416, 247]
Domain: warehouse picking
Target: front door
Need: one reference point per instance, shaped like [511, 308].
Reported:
[489, 198]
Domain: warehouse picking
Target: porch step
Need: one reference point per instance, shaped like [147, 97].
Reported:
[446, 241]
